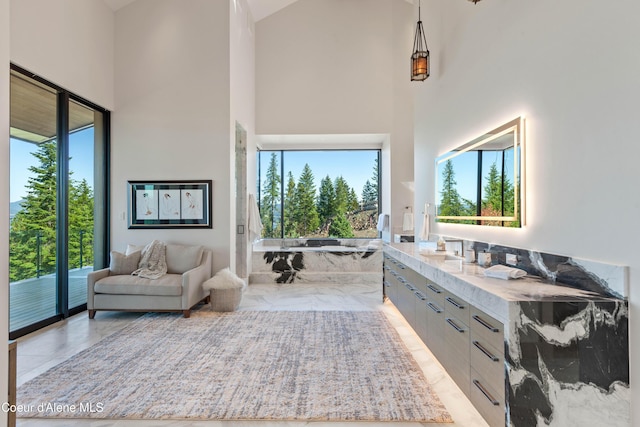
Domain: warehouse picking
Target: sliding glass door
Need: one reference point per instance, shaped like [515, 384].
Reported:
[58, 201]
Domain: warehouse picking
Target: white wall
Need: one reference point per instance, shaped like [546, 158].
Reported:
[341, 67]
[172, 116]
[242, 83]
[572, 69]
[68, 42]
[4, 200]
[324, 67]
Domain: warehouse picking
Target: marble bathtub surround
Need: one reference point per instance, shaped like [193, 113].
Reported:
[566, 347]
[346, 261]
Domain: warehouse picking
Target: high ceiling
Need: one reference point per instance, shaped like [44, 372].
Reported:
[259, 8]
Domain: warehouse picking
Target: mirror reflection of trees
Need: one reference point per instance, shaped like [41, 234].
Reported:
[498, 195]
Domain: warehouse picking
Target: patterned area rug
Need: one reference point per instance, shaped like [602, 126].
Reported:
[261, 365]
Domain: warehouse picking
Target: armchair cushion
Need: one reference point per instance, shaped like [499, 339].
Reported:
[182, 258]
[123, 264]
[167, 285]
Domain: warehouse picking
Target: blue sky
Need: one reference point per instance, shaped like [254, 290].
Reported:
[355, 166]
[21, 158]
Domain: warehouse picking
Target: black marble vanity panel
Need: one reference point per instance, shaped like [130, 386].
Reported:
[556, 269]
[562, 354]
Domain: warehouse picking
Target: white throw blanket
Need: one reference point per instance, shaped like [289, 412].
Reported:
[153, 261]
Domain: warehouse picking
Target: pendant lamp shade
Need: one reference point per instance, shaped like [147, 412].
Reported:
[420, 61]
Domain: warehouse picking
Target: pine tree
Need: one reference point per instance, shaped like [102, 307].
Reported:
[340, 227]
[450, 201]
[271, 200]
[376, 178]
[352, 201]
[326, 201]
[32, 242]
[306, 215]
[290, 207]
[492, 201]
[342, 195]
[369, 196]
[80, 224]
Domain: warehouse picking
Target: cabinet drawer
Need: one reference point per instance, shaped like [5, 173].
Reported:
[458, 369]
[488, 363]
[488, 328]
[435, 328]
[435, 293]
[456, 307]
[486, 401]
[414, 277]
[456, 335]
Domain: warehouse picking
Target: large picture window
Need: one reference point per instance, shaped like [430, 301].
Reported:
[319, 193]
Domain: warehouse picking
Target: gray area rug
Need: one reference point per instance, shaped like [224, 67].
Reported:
[260, 365]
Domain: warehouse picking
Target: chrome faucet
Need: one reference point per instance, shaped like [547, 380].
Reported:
[457, 253]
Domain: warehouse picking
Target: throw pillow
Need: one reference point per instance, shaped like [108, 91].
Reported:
[123, 264]
[224, 279]
[134, 248]
[182, 258]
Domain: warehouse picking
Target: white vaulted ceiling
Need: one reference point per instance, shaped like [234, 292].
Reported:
[260, 9]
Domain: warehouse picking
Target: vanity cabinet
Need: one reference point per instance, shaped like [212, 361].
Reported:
[456, 340]
[487, 373]
[510, 345]
[468, 342]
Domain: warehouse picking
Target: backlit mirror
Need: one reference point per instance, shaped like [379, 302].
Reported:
[481, 182]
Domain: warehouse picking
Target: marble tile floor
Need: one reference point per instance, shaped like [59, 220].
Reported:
[41, 350]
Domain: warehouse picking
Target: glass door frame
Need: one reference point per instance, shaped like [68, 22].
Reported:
[101, 243]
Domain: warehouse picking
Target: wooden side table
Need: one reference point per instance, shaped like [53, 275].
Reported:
[13, 365]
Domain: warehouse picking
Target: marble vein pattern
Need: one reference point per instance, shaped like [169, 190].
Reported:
[592, 276]
[563, 356]
[317, 266]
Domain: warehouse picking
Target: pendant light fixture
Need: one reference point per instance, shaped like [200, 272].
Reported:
[420, 62]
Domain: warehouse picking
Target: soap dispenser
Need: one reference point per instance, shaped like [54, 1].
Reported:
[441, 245]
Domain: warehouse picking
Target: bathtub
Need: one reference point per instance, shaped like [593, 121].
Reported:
[317, 261]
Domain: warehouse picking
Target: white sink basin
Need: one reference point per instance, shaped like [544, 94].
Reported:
[440, 255]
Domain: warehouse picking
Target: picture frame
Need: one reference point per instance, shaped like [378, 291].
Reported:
[169, 204]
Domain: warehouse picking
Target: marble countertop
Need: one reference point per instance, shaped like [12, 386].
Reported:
[488, 294]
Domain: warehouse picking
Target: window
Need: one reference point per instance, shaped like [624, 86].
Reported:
[58, 201]
[319, 193]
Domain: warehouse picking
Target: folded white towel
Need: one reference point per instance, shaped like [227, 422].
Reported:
[503, 272]
[407, 221]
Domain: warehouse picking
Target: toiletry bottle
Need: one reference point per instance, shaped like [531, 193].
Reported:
[441, 244]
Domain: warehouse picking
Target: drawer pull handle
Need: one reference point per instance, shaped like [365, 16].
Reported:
[485, 324]
[454, 326]
[455, 303]
[401, 266]
[486, 393]
[408, 286]
[434, 308]
[434, 289]
[485, 351]
[420, 295]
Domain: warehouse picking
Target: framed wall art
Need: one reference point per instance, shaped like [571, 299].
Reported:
[170, 204]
